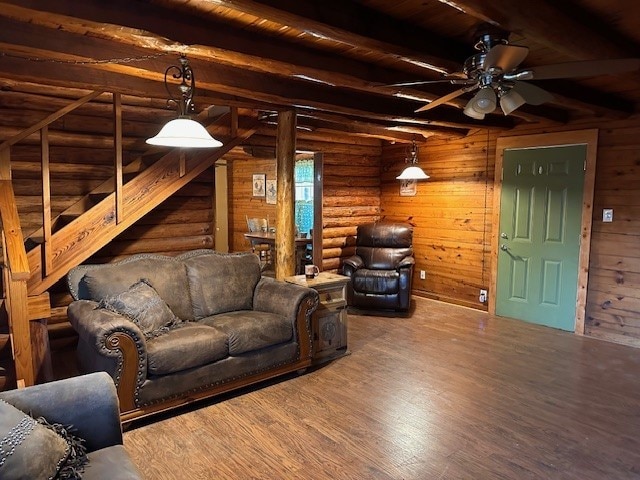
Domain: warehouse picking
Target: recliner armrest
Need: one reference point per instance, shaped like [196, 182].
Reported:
[352, 264]
[407, 261]
[87, 402]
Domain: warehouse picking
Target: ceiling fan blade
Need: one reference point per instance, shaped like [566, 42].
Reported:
[443, 99]
[588, 68]
[532, 94]
[504, 57]
[455, 79]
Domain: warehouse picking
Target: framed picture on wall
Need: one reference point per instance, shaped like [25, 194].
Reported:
[259, 184]
[271, 190]
[408, 188]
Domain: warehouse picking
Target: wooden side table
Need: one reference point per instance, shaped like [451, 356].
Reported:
[329, 321]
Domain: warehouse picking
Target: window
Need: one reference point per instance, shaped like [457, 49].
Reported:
[303, 178]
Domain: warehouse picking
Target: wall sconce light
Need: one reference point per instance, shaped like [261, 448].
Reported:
[413, 171]
[183, 131]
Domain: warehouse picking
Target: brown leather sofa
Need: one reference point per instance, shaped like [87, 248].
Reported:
[381, 271]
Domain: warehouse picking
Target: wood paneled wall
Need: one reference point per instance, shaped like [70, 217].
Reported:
[351, 195]
[242, 203]
[451, 211]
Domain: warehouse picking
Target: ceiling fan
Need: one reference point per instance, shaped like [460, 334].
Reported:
[494, 73]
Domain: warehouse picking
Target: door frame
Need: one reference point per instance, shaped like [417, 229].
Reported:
[577, 137]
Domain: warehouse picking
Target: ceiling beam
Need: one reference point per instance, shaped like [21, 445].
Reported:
[192, 30]
[550, 26]
[416, 132]
[349, 23]
[68, 51]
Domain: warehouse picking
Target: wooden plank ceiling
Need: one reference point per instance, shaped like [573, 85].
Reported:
[331, 59]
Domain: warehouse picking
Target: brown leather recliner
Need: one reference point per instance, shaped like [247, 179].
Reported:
[381, 271]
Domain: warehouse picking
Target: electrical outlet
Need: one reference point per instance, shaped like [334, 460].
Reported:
[423, 274]
[483, 296]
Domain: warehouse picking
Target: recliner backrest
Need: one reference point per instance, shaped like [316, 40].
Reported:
[382, 245]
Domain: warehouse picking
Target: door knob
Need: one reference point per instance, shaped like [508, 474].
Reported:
[504, 247]
[503, 235]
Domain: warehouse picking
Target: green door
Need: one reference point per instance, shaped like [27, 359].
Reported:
[540, 221]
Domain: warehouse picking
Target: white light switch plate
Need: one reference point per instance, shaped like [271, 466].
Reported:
[607, 214]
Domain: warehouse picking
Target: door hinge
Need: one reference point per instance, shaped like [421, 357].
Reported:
[584, 167]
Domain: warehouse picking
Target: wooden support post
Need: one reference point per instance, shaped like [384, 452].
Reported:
[5, 163]
[46, 201]
[285, 162]
[117, 145]
[17, 311]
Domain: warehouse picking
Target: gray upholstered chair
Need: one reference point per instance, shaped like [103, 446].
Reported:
[381, 271]
[90, 404]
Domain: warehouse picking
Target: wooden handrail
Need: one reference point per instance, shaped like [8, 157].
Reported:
[49, 120]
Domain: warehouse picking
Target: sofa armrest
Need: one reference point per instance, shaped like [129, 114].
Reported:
[294, 302]
[351, 264]
[88, 402]
[110, 342]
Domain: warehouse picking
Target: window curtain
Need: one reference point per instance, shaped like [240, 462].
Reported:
[303, 177]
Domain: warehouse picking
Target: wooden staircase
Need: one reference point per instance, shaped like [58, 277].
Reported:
[91, 223]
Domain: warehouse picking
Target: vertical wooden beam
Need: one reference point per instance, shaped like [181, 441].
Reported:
[117, 146]
[285, 162]
[5, 163]
[46, 200]
[16, 303]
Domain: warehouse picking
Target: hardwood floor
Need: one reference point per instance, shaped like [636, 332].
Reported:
[449, 393]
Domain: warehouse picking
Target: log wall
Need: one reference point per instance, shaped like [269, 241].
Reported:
[351, 195]
[81, 158]
[451, 211]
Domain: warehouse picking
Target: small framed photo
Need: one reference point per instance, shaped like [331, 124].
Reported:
[408, 188]
[259, 184]
[271, 190]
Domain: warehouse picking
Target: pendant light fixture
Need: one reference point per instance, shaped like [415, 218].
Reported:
[183, 132]
[413, 171]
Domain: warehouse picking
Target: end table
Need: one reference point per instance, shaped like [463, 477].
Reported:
[329, 321]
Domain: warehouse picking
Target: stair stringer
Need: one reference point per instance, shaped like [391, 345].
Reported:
[84, 236]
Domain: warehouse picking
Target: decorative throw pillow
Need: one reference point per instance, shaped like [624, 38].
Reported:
[142, 305]
[31, 449]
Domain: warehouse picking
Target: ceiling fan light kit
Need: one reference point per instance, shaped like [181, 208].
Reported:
[484, 101]
[494, 72]
[469, 111]
[510, 101]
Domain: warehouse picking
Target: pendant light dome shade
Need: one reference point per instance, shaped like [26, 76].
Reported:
[413, 171]
[184, 133]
